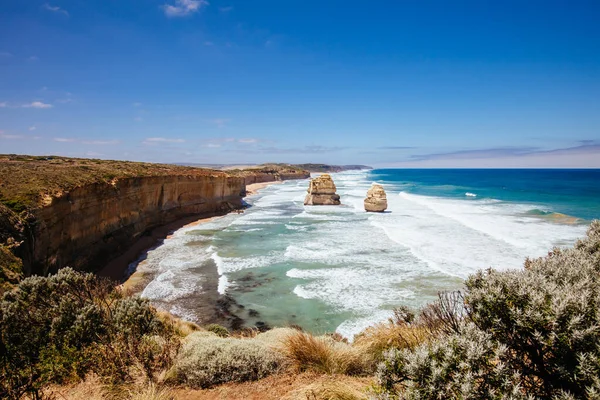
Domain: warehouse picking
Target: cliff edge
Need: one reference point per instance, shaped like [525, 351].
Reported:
[57, 212]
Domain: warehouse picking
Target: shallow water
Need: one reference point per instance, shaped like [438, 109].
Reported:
[337, 268]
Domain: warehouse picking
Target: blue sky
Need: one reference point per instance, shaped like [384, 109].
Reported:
[386, 83]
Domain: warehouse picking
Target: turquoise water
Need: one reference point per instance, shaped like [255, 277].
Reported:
[337, 268]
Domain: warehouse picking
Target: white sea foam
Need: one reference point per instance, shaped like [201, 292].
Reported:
[223, 284]
[346, 260]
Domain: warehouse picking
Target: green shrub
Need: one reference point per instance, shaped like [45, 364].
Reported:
[56, 329]
[218, 330]
[206, 359]
[536, 330]
[465, 366]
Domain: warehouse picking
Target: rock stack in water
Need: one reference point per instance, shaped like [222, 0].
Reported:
[321, 192]
[376, 200]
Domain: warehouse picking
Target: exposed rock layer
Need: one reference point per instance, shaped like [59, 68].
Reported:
[92, 224]
[376, 200]
[321, 191]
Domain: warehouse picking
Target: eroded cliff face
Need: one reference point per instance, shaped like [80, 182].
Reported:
[90, 225]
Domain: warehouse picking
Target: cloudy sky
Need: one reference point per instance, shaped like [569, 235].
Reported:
[386, 83]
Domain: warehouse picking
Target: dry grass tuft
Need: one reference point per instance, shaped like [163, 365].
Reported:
[373, 341]
[183, 328]
[151, 392]
[329, 390]
[322, 354]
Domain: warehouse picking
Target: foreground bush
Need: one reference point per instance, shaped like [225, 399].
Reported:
[534, 332]
[206, 359]
[57, 329]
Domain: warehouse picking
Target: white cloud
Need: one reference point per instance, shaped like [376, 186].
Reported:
[213, 145]
[248, 140]
[157, 140]
[137, 104]
[3, 104]
[182, 8]
[37, 104]
[55, 9]
[64, 140]
[32, 128]
[138, 119]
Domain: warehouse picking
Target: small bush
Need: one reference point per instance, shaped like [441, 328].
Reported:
[218, 330]
[466, 366]
[206, 360]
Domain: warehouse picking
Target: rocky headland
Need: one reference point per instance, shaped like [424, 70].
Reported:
[57, 212]
[321, 191]
[376, 200]
[269, 173]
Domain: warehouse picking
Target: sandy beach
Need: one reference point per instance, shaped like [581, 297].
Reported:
[254, 188]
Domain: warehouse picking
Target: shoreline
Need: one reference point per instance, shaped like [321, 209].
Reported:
[215, 307]
[254, 188]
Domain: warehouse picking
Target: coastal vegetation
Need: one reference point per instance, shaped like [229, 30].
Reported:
[525, 334]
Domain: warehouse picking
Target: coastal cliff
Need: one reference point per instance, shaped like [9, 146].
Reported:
[57, 212]
[270, 173]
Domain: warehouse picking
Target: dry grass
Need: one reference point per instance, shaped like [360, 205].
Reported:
[93, 389]
[151, 392]
[182, 327]
[90, 389]
[322, 354]
[332, 389]
[305, 386]
[373, 341]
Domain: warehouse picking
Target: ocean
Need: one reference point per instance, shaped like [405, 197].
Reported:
[338, 268]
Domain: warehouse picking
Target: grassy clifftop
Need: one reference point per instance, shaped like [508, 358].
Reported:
[25, 181]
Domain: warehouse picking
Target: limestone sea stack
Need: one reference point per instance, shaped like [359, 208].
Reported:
[376, 200]
[321, 192]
